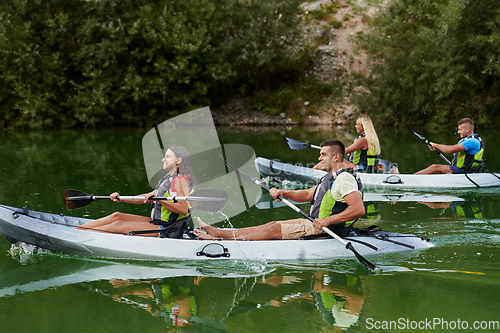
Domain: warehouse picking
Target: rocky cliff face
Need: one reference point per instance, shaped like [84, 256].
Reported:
[335, 59]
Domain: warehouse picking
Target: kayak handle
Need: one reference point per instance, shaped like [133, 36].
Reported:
[214, 250]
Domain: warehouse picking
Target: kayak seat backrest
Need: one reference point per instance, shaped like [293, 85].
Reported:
[384, 166]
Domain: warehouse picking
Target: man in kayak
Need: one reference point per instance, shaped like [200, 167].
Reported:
[467, 153]
[336, 203]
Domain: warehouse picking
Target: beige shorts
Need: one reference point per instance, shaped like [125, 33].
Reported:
[296, 228]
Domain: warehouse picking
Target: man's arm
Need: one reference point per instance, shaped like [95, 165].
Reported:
[447, 149]
[294, 195]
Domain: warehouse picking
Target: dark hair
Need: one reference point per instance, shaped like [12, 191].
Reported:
[337, 145]
[185, 166]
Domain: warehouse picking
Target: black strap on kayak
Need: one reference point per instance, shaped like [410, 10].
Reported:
[167, 226]
[271, 166]
[373, 247]
[387, 239]
[24, 212]
[473, 182]
[372, 230]
[492, 174]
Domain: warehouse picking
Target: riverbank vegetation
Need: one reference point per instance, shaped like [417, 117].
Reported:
[68, 64]
[112, 62]
[434, 62]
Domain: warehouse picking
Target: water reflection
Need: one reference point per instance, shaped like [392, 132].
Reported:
[383, 206]
[198, 296]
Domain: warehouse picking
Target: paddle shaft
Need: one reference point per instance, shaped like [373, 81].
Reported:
[139, 198]
[436, 150]
[421, 137]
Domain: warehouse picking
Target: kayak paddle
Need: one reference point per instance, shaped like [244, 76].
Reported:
[348, 245]
[297, 145]
[383, 165]
[207, 199]
[421, 137]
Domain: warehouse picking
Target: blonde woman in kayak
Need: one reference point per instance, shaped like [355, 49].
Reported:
[366, 147]
[169, 218]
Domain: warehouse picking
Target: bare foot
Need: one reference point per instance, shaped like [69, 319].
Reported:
[207, 227]
[202, 235]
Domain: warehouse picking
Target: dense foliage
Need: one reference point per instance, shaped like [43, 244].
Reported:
[67, 63]
[435, 61]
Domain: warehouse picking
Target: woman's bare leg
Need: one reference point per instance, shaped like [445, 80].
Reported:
[112, 218]
[124, 227]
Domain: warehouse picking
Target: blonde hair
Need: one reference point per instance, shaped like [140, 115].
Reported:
[370, 134]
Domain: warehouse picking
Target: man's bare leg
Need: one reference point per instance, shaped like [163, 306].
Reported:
[271, 230]
[435, 168]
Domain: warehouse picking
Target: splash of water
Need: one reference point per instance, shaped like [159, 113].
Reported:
[25, 253]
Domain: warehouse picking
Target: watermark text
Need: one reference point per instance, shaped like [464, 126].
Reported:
[431, 324]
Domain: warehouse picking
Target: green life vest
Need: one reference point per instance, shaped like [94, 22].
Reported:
[324, 205]
[363, 156]
[174, 223]
[469, 162]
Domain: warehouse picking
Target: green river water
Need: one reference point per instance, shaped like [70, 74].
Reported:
[452, 286]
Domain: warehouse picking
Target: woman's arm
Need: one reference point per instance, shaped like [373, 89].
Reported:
[181, 186]
[114, 196]
[360, 143]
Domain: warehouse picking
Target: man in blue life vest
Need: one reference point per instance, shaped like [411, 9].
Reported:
[467, 153]
[336, 203]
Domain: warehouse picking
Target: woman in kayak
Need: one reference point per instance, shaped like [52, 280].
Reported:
[365, 149]
[168, 217]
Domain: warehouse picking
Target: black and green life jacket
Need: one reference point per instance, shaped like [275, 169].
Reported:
[364, 157]
[324, 205]
[469, 162]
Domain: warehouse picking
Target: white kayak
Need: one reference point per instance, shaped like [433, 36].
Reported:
[54, 232]
[380, 181]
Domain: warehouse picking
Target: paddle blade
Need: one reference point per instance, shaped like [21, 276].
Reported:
[294, 144]
[75, 199]
[210, 205]
[421, 137]
[361, 259]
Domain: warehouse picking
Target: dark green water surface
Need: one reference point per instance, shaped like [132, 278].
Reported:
[452, 286]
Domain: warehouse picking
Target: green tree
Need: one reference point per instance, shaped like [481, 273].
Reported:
[106, 62]
[435, 61]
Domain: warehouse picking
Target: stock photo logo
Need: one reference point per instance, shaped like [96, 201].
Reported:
[195, 131]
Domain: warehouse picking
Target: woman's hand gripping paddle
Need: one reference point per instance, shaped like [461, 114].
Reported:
[207, 199]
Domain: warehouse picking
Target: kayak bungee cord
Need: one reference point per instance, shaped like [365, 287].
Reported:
[25, 211]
